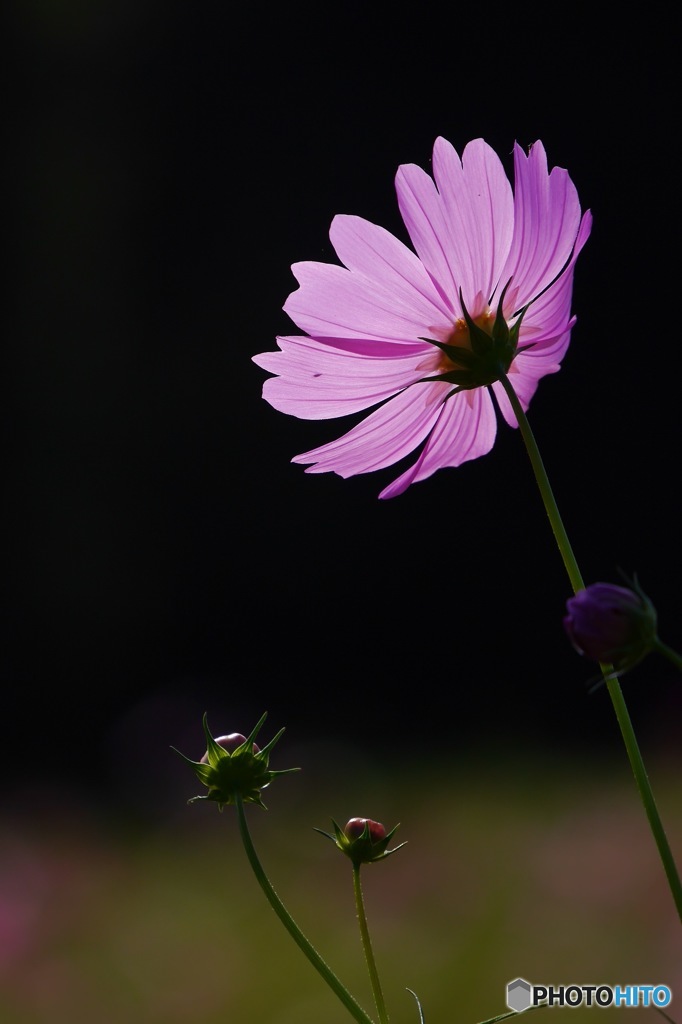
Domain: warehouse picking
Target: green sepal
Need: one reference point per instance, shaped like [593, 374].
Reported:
[241, 773]
[455, 353]
[202, 771]
[490, 356]
[481, 341]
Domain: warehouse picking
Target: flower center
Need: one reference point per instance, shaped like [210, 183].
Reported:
[478, 351]
[460, 338]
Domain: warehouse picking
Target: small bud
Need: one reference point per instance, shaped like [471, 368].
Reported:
[363, 840]
[234, 766]
[612, 625]
[230, 743]
[356, 826]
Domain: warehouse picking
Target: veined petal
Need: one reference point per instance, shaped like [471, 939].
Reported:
[530, 366]
[524, 379]
[385, 436]
[547, 324]
[319, 381]
[460, 224]
[367, 249]
[544, 356]
[465, 430]
[479, 211]
[546, 223]
[424, 219]
[396, 303]
[550, 314]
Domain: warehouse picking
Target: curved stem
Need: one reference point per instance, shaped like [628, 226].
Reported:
[297, 935]
[612, 683]
[367, 946]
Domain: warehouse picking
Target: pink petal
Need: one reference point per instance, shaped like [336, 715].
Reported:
[465, 430]
[547, 323]
[371, 251]
[525, 385]
[389, 296]
[319, 381]
[546, 223]
[462, 233]
[385, 436]
[479, 211]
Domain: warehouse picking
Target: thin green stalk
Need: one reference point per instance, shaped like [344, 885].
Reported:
[612, 683]
[297, 935]
[646, 793]
[367, 946]
[542, 479]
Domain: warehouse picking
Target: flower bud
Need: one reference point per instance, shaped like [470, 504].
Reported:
[356, 826]
[230, 743]
[363, 840]
[234, 767]
[612, 625]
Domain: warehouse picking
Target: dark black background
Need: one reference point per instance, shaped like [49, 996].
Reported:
[167, 164]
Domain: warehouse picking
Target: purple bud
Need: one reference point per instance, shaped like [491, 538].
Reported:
[356, 826]
[610, 624]
[230, 744]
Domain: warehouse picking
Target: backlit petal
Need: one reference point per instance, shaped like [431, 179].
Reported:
[398, 302]
[385, 436]
[546, 222]
[465, 430]
[460, 224]
[318, 381]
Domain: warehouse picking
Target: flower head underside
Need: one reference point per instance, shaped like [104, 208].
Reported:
[421, 338]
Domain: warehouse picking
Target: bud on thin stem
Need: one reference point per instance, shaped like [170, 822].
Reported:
[287, 920]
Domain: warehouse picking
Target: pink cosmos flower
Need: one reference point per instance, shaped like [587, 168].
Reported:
[423, 338]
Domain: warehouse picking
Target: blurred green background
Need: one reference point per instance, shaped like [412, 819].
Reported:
[516, 865]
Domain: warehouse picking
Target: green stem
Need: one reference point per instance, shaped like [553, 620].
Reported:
[646, 793]
[612, 683]
[367, 946]
[542, 479]
[297, 935]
